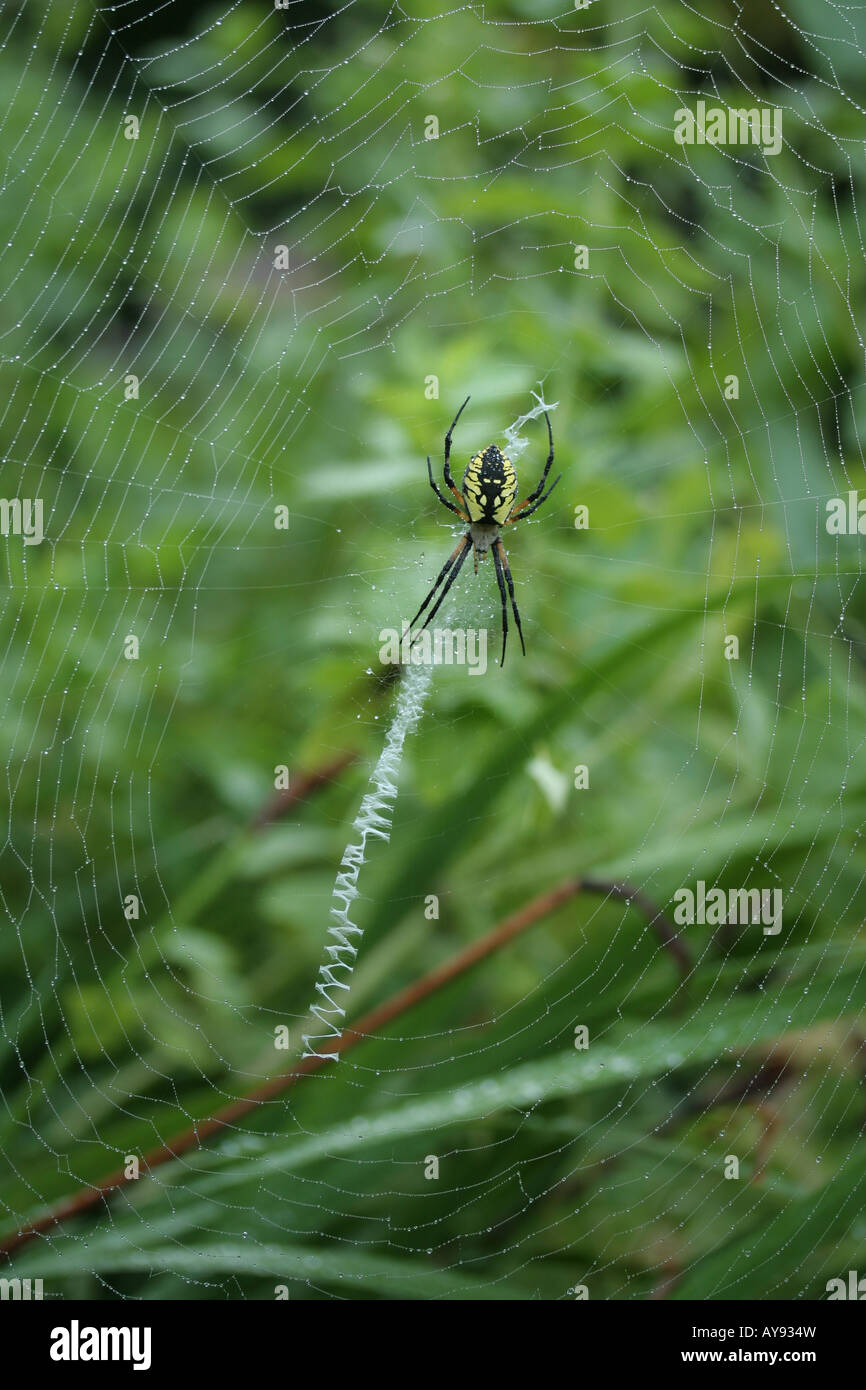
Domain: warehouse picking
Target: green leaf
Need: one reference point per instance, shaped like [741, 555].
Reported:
[760, 1260]
[336, 1266]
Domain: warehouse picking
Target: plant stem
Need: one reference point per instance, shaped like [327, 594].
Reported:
[365, 1027]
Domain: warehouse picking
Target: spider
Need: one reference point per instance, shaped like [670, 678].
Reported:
[487, 504]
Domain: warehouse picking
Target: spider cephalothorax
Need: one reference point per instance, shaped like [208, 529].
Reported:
[487, 504]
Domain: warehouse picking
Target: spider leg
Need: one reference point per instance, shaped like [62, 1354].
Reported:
[538, 495]
[499, 553]
[539, 490]
[449, 481]
[442, 498]
[458, 554]
[525, 510]
[501, 582]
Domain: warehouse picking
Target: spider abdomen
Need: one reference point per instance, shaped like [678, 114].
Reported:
[490, 487]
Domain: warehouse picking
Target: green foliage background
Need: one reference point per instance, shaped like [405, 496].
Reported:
[412, 258]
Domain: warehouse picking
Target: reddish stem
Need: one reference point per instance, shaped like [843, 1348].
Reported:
[365, 1027]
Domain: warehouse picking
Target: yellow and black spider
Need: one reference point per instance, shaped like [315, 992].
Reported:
[487, 503]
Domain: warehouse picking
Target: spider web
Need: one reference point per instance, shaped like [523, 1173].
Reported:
[253, 259]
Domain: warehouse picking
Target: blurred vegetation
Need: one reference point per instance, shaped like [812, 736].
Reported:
[305, 387]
